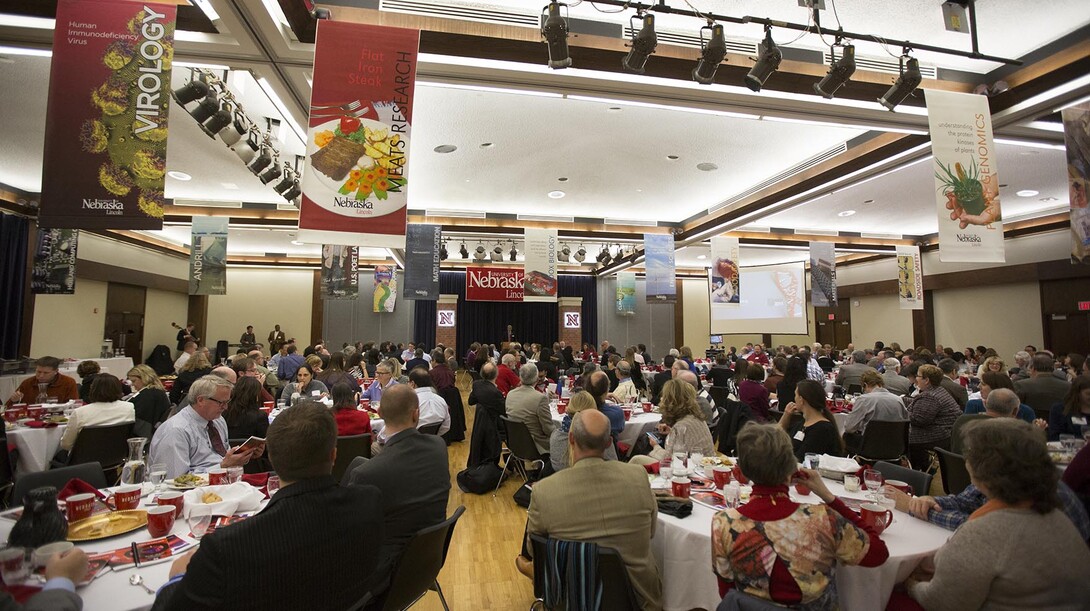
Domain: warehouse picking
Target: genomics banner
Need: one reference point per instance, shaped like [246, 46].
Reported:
[422, 244]
[54, 270]
[909, 277]
[106, 121]
[626, 293]
[823, 274]
[725, 279]
[385, 288]
[1077, 137]
[340, 272]
[494, 284]
[208, 256]
[658, 251]
[539, 280]
[966, 177]
[356, 178]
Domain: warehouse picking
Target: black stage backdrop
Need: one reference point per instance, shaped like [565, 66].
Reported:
[486, 321]
[14, 233]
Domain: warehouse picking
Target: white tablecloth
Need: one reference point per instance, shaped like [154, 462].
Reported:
[683, 547]
[36, 447]
[116, 366]
[8, 384]
[633, 428]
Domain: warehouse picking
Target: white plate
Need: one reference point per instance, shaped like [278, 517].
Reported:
[334, 186]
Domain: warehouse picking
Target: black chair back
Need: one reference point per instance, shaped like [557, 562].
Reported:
[884, 440]
[519, 440]
[418, 569]
[222, 350]
[720, 395]
[737, 415]
[617, 591]
[430, 429]
[920, 481]
[348, 448]
[356, 462]
[106, 445]
[90, 472]
[955, 477]
[854, 389]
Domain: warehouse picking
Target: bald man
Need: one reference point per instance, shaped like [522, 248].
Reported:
[710, 414]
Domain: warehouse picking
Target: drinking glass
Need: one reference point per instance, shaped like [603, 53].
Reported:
[873, 479]
[696, 461]
[1068, 442]
[157, 474]
[811, 460]
[200, 517]
[13, 565]
[666, 470]
[273, 485]
[234, 475]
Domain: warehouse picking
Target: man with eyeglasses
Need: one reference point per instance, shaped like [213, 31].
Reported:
[195, 439]
[384, 379]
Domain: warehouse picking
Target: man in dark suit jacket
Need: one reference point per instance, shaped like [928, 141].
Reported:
[485, 444]
[245, 565]
[662, 377]
[1042, 390]
[412, 471]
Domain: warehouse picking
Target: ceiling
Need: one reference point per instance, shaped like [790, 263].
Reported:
[609, 136]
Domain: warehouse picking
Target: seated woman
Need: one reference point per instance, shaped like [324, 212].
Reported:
[983, 566]
[753, 393]
[931, 416]
[819, 434]
[335, 373]
[106, 408]
[683, 423]
[148, 397]
[303, 387]
[559, 448]
[350, 421]
[778, 550]
[1069, 417]
[994, 380]
[243, 414]
[356, 368]
[87, 371]
[196, 367]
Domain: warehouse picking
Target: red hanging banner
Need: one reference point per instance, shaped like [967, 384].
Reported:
[356, 179]
[494, 284]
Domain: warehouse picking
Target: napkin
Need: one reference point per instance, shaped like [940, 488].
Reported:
[38, 424]
[672, 505]
[839, 464]
[78, 486]
[258, 480]
[237, 497]
[652, 468]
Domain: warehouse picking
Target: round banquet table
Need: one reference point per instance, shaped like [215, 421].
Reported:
[682, 548]
[633, 428]
[36, 447]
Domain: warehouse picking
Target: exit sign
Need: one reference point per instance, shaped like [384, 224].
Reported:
[832, 317]
[1084, 306]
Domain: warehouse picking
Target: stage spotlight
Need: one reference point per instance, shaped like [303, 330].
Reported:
[219, 120]
[271, 174]
[712, 53]
[496, 254]
[603, 256]
[581, 254]
[839, 72]
[904, 86]
[564, 255]
[513, 253]
[480, 253]
[262, 160]
[443, 254]
[207, 107]
[768, 61]
[287, 181]
[191, 91]
[643, 44]
[462, 251]
[293, 193]
[554, 29]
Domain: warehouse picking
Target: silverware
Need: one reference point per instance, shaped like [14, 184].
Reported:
[137, 580]
[355, 114]
[353, 105]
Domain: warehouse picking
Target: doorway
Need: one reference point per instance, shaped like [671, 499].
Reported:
[834, 325]
[125, 318]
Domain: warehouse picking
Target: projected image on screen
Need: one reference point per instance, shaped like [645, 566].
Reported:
[773, 300]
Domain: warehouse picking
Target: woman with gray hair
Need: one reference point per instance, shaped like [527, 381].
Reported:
[778, 550]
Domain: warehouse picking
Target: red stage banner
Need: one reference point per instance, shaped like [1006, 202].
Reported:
[494, 284]
[106, 120]
[356, 179]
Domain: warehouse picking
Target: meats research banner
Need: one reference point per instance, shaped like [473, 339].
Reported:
[340, 277]
[725, 279]
[626, 293]
[1077, 137]
[54, 271]
[356, 178]
[658, 251]
[208, 256]
[104, 164]
[539, 276]
[966, 177]
[494, 284]
[823, 274]
[422, 244]
[909, 278]
[385, 288]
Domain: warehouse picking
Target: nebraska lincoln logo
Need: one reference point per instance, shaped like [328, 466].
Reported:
[493, 284]
[572, 320]
[446, 318]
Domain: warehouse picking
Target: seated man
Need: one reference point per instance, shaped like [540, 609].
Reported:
[616, 508]
[183, 358]
[433, 408]
[413, 474]
[1001, 403]
[506, 378]
[245, 366]
[526, 405]
[710, 413]
[850, 373]
[598, 387]
[416, 361]
[626, 389]
[384, 379]
[876, 403]
[289, 364]
[58, 386]
[246, 565]
[58, 593]
[195, 439]
[894, 381]
[662, 377]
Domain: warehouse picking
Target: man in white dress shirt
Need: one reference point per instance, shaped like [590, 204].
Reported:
[433, 408]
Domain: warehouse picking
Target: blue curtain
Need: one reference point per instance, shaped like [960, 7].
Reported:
[14, 233]
[486, 321]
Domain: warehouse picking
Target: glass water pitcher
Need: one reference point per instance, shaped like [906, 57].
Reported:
[135, 466]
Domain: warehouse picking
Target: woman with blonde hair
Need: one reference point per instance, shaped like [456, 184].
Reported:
[683, 423]
[148, 397]
[195, 368]
[993, 364]
[559, 448]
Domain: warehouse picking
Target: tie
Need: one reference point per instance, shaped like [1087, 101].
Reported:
[214, 437]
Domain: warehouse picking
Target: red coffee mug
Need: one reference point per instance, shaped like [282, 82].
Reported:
[160, 520]
[802, 488]
[721, 475]
[174, 499]
[35, 412]
[270, 404]
[898, 484]
[217, 477]
[79, 507]
[647, 407]
[627, 414]
[876, 516]
[11, 415]
[127, 497]
[738, 475]
[681, 487]
[561, 408]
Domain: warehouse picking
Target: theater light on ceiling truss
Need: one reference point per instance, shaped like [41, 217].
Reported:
[554, 29]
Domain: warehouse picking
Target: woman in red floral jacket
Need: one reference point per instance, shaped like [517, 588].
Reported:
[350, 421]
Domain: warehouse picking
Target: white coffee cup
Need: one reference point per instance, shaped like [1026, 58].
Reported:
[851, 483]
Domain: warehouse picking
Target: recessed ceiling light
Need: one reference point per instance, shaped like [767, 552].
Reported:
[176, 175]
[556, 194]
[702, 257]
[868, 201]
[229, 185]
[672, 157]
[1049, 199]
[706, 167]
[445, 148]
[614, 109]
[563, 179]
[1026, 193]
[297, 242]
[846, 213]
[1003, 185]
[639, 190]
[467, 180]
[486, 145]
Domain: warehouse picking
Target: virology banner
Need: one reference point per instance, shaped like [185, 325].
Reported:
[823, 274]
[626, 293]
[340, 277]
[54, 271]
[966, 177]
[1077, 137]
[725, 279]
[422, 244]
[104, 165]
[658, 251]
[909, 278]
[385, 288]
[356, 178]
[539, 278]
[208, 256]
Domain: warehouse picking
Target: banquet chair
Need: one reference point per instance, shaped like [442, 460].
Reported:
[920, 481]
[106, 445]
[348, 448]
[7, 481]
[617, 591]
[90, 472]
[853, 389]
[955, 477]
[358, 461]
[431, 429]
[417, 571]
[522, 449]
[884, 440]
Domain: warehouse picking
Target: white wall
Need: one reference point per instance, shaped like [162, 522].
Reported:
[1005, 317]
[70, 326]
[160, 309]
[879, 317]
[120, 254]
[261, 297]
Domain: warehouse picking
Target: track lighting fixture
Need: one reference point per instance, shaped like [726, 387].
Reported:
[190, 92]
[581, 254]
[564, 254]
[479, 253]
[513, 253]
[554, 29]
[497, 254]
[643, 44]
[462, 251]
[272, 173]
[287, 181]
[839, 71]
[603, 256]
[769, 57]
[443, 254]
[906, 83]
[712, 52]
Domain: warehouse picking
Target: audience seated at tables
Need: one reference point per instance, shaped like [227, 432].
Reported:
[711, 416]
[720, 373]
[1017, 551]
[683, 424]
[825, 361]
[597, 384]
[225, 373]
[559, 448]
[442, 376]
[335, 373]
[384, 379]
[758, 356]
[605, 502]
[526, 405]
[62, 572]
[485, 442]
[416, 360]
[876, 403]
[931, 415]
[305, 386]
[850, 374]
[895, 383]
[813, 370]
[819, 434]
[950, 382]
[794, 373]
[149, 398]
[778, 550]
[1072, 414]
[58, 386]
[106, 408]
[413, 474]
[506, 378]
[991, 381]
[86, 371]
[246, 367]
[662, 377]
[242, 566]
[355, 367]
[753, 393]
[1042, 390]
[433, 408]
[775, 375]
[188, 351]
[316, 363]
[195, 368]
[1001, 403]
[289, 363]
[625, 392]
[243, 415]
[350, 420]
